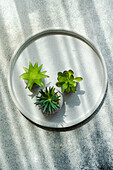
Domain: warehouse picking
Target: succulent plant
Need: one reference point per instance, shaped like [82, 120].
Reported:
[67, 82]
[48, 100]
[33, 75]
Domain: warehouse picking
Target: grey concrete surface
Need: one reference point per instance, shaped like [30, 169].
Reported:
[24, 146]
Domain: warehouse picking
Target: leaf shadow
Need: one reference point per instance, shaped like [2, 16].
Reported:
[72, 99]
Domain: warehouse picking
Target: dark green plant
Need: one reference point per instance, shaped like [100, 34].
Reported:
[33, 75]
[67, 82]
[48, 100]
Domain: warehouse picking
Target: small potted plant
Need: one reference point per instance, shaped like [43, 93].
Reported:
[33, 76]
[49, 100]
[67, 81]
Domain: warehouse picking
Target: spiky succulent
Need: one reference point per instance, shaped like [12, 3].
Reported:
[48, 101]
[33, 75]
[67, 82]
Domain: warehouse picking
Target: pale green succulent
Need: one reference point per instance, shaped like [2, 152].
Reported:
[33, 75]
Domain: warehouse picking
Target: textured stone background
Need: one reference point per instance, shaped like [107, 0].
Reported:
[24, 146]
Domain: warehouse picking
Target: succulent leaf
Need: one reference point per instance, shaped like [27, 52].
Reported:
[24, 76]
[73, 89]
[36, 65]
[78, 79]
[43, 72]
[70, 72]
[39, 68]
[62, 79]
[64, 86]
[63, 90]
[50, 107]
[59, 84]
[60, 73]
[26, 69]
[45, 107]
[54, 107]
[30, 66]
[68, 90]
[65, 74]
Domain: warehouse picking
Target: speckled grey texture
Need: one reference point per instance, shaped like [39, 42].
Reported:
[24, 146]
